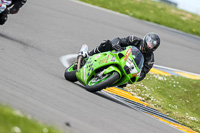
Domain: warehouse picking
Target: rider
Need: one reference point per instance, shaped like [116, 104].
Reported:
[12, 7]
[147, 45]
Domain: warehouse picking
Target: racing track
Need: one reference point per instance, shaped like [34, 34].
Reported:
[31, 75]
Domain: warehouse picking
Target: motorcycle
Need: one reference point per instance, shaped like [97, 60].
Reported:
[107, 69]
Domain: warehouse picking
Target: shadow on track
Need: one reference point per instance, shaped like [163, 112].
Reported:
[17, 41]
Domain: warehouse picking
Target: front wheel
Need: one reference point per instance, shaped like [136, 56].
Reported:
[99, 83]
[70, 73]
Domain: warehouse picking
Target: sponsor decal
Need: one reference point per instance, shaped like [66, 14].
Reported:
[107, 59]
[128, 53]
[97, 56]
[129, 61]
[113, 59]
[134, 75]
[89, 67]
[89, 71]
[102, 61]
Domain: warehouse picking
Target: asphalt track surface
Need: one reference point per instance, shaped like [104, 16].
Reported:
[31, 75]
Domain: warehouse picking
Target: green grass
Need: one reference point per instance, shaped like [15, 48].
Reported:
[175, 96]
[14, 121]
[152, 11]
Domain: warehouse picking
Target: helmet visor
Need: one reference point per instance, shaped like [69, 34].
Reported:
[150, 42]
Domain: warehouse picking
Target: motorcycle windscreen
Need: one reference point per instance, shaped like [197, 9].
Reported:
[138, 57]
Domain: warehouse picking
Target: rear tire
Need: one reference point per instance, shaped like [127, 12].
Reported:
[103, 84]
[70, 74]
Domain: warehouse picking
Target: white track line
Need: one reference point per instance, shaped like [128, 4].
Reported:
[172, 69]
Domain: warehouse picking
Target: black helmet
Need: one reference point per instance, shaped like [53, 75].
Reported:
[151, 42]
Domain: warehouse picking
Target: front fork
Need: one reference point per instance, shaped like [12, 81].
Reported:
[79, 58]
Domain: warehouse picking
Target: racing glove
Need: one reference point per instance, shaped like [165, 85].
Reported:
[116, 44]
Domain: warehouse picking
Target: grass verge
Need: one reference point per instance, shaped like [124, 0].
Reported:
[174, 96]
[155, 12]
[14, 121]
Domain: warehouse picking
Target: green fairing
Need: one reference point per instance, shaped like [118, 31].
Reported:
[111, 69]
[110, 61]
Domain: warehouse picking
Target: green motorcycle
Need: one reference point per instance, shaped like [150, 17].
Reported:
[113, 68]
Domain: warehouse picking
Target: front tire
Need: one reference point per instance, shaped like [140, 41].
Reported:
[70, 73]
[93, 86]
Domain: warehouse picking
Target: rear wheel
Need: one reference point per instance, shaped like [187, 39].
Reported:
[99, 83]
[70, 73]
